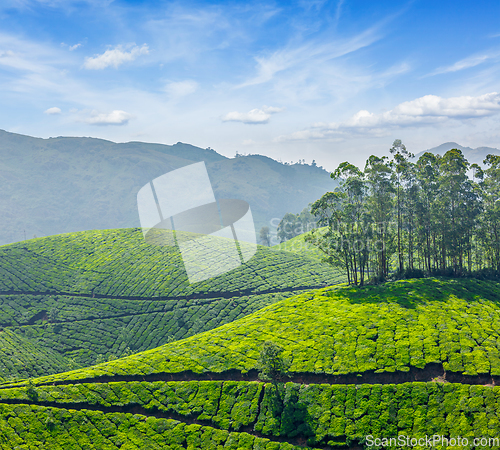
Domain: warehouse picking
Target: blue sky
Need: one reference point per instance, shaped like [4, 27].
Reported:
[324, 80]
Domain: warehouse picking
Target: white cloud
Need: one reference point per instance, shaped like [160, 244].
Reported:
[426, 110]
[254, 116]
[181, 88]
[116, 117]
[52, 111]
[74, 47]
[466, 63]
[114, 57]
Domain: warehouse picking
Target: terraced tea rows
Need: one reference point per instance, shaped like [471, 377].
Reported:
[23, 426]
[324, 415]
[388, 332]
[298, 245]
[113, 327]
[21, 358]
[345, 330]
[120, 264]
[97, 295]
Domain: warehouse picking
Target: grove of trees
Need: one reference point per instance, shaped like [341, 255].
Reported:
[294, 224]
[438, 215]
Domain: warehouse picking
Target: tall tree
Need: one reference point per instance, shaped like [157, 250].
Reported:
[380, 200]
[427, 175]
[491, 214]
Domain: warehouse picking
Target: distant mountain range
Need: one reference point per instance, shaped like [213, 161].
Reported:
[473, 155]
[64, 184]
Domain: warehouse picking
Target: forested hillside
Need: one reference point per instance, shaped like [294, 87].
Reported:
[68, 184]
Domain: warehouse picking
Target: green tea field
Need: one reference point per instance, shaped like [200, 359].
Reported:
[408, 358]
[93, 296]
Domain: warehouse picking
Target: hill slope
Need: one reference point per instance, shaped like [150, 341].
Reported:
[298, 245]
[397, 327]
[97, 295]
[22, 358]
[391, 333]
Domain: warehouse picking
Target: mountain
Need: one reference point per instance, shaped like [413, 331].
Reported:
[66, 184]
[404, 359]
[473, 155]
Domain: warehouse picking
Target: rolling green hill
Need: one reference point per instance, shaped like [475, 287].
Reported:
[20, 357]
[355, 353]
[96, 295]
[298, 245]
[396, 327]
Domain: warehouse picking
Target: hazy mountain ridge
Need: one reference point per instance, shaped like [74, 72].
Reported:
[473, 155]
[64, 184]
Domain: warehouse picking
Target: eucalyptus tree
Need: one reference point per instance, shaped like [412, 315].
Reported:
[400, 160]
[343, 212]
[459, 209]
[380, 202]
[427, 176]
[491, 214]
[478, 234]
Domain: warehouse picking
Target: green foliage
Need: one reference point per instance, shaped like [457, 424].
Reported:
[300, 244]
[119, 263]
[293, 225]
[25, 426]
[66, 288]
[320, 413]
[386, 328]
[23, 357]
[31, 391]
[410, 218]
[271, 363]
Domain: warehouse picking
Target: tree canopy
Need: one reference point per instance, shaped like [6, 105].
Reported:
[436, 215]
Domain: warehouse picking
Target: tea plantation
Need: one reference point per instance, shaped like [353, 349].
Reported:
[94, 296]
[395, 327]
[408, 358]
[202, 391]
[242, 415]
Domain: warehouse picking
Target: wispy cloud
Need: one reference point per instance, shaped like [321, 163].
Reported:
[466, 63]
[255, 116]
[66, 4]
[308, 54]
[423, 111]
[116, 117]
[53, 111]
[114, 57]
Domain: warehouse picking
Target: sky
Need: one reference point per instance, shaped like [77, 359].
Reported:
[329, 81]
